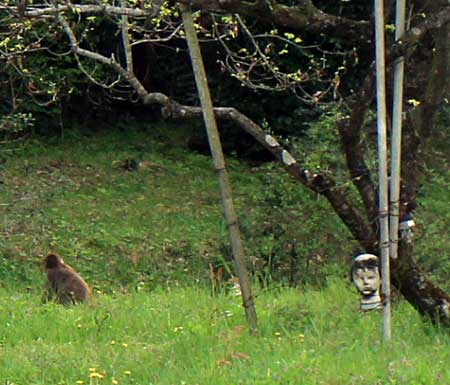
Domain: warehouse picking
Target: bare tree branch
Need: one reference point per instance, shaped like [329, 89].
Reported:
[317, 182]
[126, 40]
[302, 17]
[36, 11]
[415, 34]
[352, 144]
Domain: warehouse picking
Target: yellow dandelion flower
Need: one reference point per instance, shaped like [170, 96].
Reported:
[113, 342]
[125, 345]
[92, 369]
[80, 382]
[114, 381]
[127, 372]
[96, 375]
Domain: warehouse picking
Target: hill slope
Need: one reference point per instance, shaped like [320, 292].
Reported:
[130, 210]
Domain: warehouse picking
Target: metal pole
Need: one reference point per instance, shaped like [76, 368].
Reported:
[396, 135]
[219, 164]
[382, 167]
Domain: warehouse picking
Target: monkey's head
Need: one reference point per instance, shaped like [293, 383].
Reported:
[52, 261]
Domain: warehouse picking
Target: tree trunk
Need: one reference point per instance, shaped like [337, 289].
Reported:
[428, 299]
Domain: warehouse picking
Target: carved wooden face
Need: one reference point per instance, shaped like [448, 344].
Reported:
[365, 274]
[367, 281]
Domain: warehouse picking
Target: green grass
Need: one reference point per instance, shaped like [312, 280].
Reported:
[75, 198]
[144, 241]
[188, 336]
[141, 228]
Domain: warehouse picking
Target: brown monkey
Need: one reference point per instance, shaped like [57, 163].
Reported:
[64, 285]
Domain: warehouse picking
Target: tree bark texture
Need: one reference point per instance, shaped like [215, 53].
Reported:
[303, 16]
[428, 299]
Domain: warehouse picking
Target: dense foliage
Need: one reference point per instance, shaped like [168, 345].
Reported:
[298, 73]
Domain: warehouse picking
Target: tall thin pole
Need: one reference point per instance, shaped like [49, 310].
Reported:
[396, 135]
[219, 164]
[382, 167]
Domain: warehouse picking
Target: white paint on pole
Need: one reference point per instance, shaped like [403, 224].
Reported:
[287, 158]
[271, 141]
[382, 166]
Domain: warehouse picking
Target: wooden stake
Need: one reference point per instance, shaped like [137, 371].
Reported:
[219, 164]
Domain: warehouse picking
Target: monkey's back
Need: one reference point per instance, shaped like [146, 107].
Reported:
[68, 285]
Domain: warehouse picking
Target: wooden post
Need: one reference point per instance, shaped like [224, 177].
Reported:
[396, 135]
[382, 167]
[219, 164]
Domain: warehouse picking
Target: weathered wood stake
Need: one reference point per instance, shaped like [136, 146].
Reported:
[219, 164]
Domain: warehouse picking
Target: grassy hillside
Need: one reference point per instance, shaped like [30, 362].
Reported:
[145, 240]
[161, 223]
